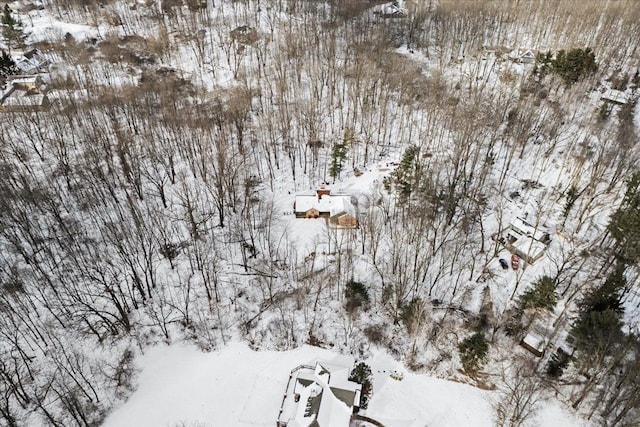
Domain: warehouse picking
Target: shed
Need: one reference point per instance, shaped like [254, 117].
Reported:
[534, 342]
[614, 97]
[18, 99]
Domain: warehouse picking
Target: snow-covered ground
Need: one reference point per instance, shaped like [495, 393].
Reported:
[179, 385]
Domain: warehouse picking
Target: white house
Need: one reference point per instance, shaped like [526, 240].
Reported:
[32, 62]
[389, 10]
[525, 240]
[320, 395]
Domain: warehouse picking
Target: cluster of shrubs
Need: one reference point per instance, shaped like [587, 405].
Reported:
[571, 66]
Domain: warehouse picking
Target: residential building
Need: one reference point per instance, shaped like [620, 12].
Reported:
[320, 395]
[337, 208]
[525, 240]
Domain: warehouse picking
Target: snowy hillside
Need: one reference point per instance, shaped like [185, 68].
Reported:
[200, 195]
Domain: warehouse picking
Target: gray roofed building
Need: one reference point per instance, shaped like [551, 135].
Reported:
[320, 395]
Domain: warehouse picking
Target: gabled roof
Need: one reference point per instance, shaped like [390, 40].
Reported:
[527, 241]
[389, 10]
[534, 342]
[329, 203]
[522, 54]
[31, 61]
[320, 396]
[17, 99]
[615, 96]
[521, 225]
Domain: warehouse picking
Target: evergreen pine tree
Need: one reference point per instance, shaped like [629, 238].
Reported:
[404, 178]
[356, 296]
[575, 64]
[339, 153]
[7, 65]
[362, 375]
[598, 328]
[542, 295]
[624, 225]
[473, 351]
[608, 295]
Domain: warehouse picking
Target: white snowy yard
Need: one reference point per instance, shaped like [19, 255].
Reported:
[182, 386]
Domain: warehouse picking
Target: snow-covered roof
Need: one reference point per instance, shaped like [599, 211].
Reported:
[530, 247]
[522, 54]
[31, 80]
[22, 99]
[525, 240]
[389, 10]
[304, 202]
[534, 340]
[331, 203]
[317, 394]
[31, 61]
[525, 228]
[615, 96]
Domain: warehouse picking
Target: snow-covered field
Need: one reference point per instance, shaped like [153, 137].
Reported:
[179, 385]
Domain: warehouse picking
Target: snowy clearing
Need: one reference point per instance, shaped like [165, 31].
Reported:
[236, 386]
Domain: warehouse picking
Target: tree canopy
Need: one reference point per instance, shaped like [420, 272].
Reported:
[542, 295]
[473, 351]
[624, 225]
[12, 28]
[7, 65]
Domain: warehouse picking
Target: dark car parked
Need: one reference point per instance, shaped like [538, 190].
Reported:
[503, 263]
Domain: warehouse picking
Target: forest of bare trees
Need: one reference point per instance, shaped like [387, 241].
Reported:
[144, 206]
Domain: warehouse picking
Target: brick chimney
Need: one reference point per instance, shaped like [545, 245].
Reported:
[322, 191]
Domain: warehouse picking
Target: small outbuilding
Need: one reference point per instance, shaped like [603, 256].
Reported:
[613, 96]
[19, 98]
[534, 342]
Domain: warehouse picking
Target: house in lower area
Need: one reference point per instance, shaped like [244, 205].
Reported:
[534, 342]
[320, 395]
[24, 93]
[389, 10]
[343, 220]
[337, 209]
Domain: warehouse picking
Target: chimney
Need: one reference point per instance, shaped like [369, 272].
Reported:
[322, 191]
